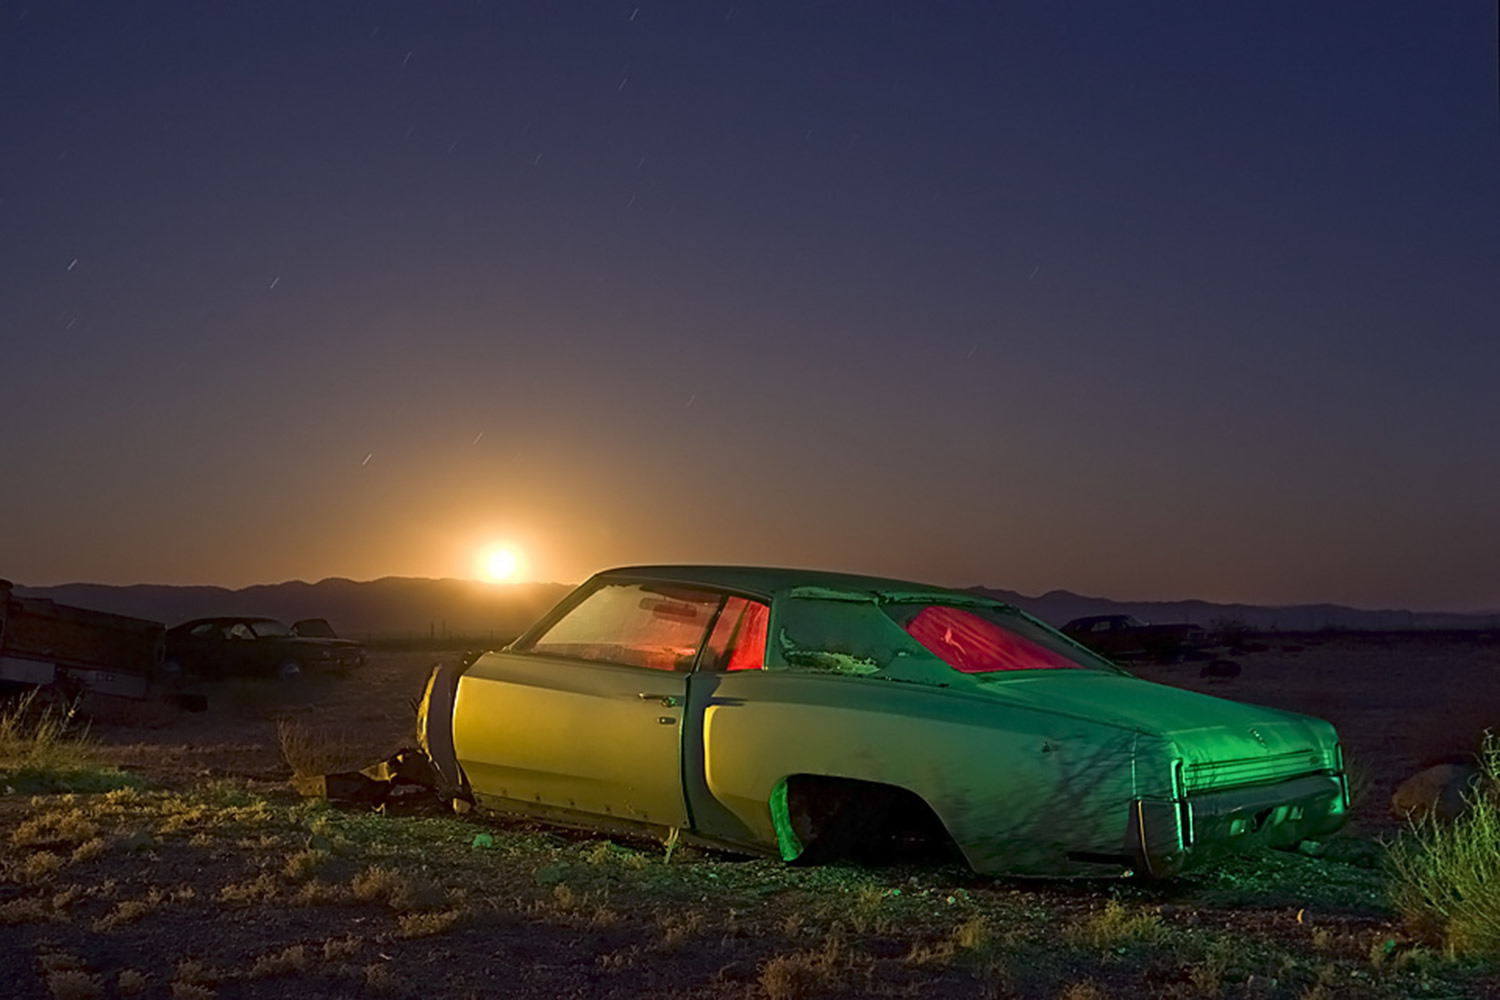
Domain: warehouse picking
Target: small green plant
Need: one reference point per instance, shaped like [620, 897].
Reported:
[1444, 873]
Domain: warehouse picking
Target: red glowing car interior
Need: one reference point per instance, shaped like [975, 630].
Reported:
[972, 645]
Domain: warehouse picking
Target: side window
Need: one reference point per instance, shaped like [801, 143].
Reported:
[739, 639]
[240, 631]
[655, 626]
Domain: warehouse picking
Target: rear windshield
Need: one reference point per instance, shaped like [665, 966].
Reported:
[973, 643]
[852, 636]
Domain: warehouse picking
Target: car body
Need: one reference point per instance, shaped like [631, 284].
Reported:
[229, 646]
[782, 711]
[1125, 636]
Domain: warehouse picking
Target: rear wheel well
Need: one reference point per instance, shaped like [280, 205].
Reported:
[821, 818]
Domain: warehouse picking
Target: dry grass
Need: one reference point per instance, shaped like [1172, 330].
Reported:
[36, 735]
[37, 867]
[261, 889]
[678, 929]
[390, 887]
[66, 897]
[429, 923]
[74, 984]
[1443, 874]
[90, 849]
[192, 991]
[974, 934]
[1086, 989]
[316, 893]
[337, 949]
[380, 979]
[309, 752]
[305, 865]
[801, 975]
[25, 910]
[287, 962]
[1115, 926]
[56, 828]
[193, 974]
[131, 982]
[129, 911]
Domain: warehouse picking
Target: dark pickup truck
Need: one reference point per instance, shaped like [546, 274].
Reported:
[1125, 637]
[44, 644]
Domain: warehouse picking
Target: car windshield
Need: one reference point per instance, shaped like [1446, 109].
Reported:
[868, 636]
[267, 629]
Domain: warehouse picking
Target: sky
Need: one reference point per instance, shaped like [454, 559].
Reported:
[1146, 301]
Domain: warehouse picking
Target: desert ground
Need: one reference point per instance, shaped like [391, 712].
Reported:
[188, 868]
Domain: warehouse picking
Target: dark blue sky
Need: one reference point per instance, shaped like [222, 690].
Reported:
[1144, 300]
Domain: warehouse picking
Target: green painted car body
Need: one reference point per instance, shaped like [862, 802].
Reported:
[761, 709]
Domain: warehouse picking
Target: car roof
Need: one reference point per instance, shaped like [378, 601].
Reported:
[223, 620]
[768, 581]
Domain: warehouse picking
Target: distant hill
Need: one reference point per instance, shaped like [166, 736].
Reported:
[1057, 607]
[403, 607]
[393, 607]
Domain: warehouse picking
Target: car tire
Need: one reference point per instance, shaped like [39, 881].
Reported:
[288, 670]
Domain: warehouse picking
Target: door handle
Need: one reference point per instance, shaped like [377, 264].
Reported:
[666, 700]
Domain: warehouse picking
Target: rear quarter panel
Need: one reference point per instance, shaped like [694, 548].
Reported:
[1017, 788]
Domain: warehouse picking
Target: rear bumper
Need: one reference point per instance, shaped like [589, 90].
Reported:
[1167, 835]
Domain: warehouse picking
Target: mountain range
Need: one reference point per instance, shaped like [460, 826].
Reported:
[411, 608]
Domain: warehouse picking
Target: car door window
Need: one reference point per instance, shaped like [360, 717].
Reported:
[739, 637]
[655, 626]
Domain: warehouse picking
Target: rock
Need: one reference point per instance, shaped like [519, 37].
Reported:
[1439, 790]
[1227, 669]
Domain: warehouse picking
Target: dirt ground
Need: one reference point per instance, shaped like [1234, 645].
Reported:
[210, 879]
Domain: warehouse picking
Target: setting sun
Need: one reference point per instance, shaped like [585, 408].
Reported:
[500, 565]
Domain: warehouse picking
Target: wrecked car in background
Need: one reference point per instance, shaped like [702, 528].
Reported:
[258, 647]
[806, 714]
[1125, 636]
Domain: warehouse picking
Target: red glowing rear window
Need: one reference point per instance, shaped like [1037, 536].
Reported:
[972, 645]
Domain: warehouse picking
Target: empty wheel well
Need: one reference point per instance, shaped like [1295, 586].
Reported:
[819, 818]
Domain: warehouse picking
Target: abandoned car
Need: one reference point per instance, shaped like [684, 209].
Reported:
[1125, 636]
[804, 713]
[249, 646]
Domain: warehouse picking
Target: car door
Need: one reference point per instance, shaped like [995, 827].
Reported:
[201, 650]
[588, 716]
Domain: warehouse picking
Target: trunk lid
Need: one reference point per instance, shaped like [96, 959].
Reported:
[1222, 743]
